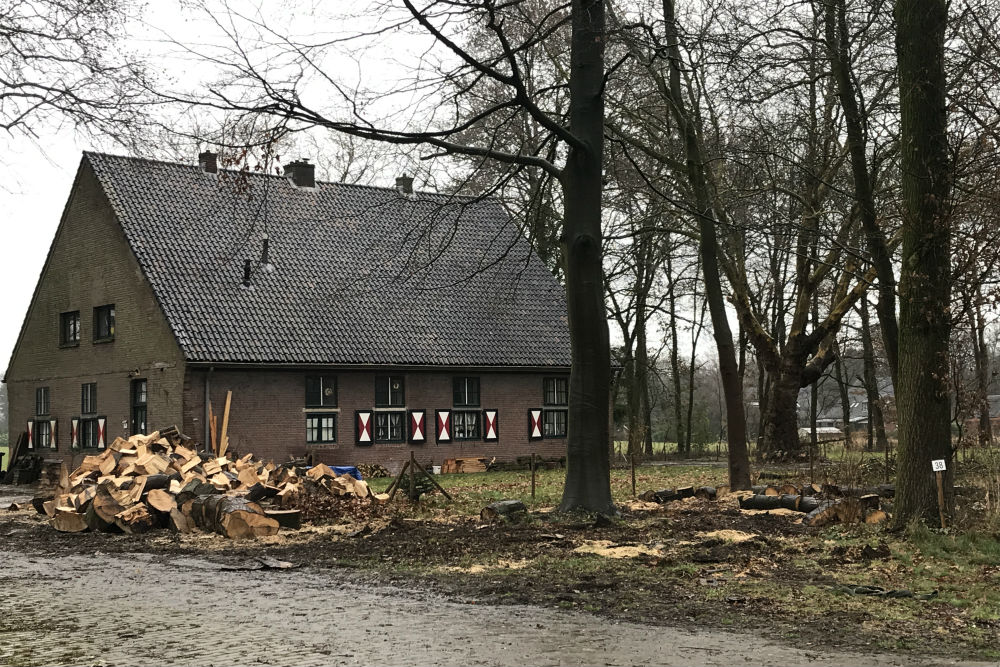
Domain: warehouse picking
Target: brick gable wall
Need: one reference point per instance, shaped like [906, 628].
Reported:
[90, 264]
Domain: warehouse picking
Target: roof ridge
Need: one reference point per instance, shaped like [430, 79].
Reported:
[383, 188]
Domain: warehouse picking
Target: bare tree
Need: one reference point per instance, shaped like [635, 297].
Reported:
[64, 61]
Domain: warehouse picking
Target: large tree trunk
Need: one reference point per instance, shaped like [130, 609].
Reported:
[922, 396]
[588, 466]
[708, 247]
[780, 419]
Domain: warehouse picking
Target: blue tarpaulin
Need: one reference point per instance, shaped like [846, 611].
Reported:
[347, 470]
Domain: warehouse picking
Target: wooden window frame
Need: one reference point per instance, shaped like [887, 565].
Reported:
[388, 415]
[88, 398]
[104, 315]
[462, 416]
[319, 417]
[69, 324]
[43, 401]
[387, 401]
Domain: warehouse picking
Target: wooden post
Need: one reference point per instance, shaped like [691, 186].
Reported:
[940, 485]
[396, 482]
[223, 438]
[812, 461]
[532, 477]
[413, 477]
[632, 464]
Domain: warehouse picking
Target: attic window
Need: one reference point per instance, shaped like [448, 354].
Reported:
[69, 328]
[389, 391]
[104, 323]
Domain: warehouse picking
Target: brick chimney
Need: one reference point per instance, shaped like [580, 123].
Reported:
[209, 162]
[404, 184]
[302, 173]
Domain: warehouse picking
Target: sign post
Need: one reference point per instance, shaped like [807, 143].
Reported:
[937, 465]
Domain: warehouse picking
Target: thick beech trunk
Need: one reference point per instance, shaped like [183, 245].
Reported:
[780, 440]
[922, 395]
[588, 466]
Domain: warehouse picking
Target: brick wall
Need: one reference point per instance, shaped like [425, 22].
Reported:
[268, 415]
[89, 265]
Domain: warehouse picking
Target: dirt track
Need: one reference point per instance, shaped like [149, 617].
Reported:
[117, 609]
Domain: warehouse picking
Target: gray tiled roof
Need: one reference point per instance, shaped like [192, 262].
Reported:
[362, 275]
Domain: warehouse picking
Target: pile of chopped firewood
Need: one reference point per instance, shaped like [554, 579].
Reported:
[156, 481]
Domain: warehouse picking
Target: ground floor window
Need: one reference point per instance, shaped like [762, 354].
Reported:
[465, 425]
[88, 433]
[321, 428]
[43, 434]
[554, 423]
[389, 426]
[138, 406]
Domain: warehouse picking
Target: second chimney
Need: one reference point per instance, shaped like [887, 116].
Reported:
[404, 184]
[209, 162]
[302, 173]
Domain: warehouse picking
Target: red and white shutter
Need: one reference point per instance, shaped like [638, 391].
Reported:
[443, 425]
[534, 424]
[101, 441]
[31, 434]
[53, 424]
[363, 426]
[74, 433]
[490, 432]
[418, 426]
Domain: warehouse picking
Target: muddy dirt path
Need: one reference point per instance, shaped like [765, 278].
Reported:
[127, 609]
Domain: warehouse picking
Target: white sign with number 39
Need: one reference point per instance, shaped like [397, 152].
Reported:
[938, 465]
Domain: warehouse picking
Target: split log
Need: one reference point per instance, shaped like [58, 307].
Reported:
[706, 493]
[136, 519]
[506, 509]
[788, 489]
[180, 522]
[823, 514]
[790, 501]
[260, 491]
[808, 504]
[97, 523]
[38, 503]
[157, 481]
[68, 520]
[161, 500]
[232, 516]
[876, 516]
[760, 501]
[109, 501]
[286, 518]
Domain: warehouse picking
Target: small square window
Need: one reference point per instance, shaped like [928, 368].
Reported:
[389, 426]
[42, 401]
[88, 398]
[389, 391]
[104, 322]
[321, 428]
[466, 392]
[556, 391]
[321, 391]
[69, 328]
[554, 423]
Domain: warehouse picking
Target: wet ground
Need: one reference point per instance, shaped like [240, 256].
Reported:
[140, 608]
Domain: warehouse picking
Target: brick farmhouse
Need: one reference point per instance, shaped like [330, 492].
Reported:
[351, 324]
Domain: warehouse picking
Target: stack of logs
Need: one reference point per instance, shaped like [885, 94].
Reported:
[152, 481]
[822, 505]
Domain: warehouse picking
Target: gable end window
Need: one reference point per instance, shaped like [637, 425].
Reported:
[69, 328]
[466, 392]
[42, 401]
[104, 323]
[389, 391]
[321, 391]
[556, 391]
[88, 398]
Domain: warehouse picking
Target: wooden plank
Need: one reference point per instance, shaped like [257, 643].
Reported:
[211, 424]
[224, 439]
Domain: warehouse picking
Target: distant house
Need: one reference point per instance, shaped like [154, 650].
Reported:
[833, 417]
[351, 323]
